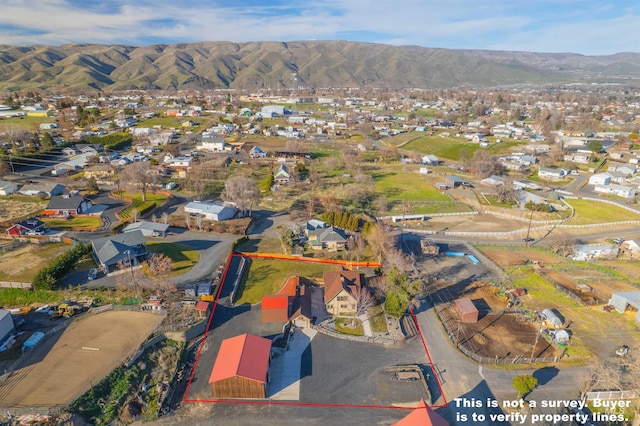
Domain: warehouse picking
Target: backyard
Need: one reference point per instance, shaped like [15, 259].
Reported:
[85, 223]
[184, 258]
[23, 262]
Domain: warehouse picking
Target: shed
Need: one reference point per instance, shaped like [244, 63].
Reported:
[467, 310]
[453, 181]
[202, 308]
[241, 368]
[423, 416]
[626, 299]
[552, 318]
[561, 336]
[6, 324]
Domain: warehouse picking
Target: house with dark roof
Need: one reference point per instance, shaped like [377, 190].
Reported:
[31, 226]
[330, 238]
[292, 303]
[67, 206]
[241, 368]
[341, 291]
[121, 250]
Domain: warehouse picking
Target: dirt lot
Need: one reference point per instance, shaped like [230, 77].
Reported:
[479, 223]
[59, 374]
[23, 263]
[14, 209]
[511, 257]
[566, 282]
[495, 334]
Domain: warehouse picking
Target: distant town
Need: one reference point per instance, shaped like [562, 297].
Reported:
[337, 256]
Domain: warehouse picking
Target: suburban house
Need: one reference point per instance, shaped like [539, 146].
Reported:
[257, 152]
[102, 173]
[121, 250]
[74, 164]
[578, 158]
[341, 291]
[212, 211]
[627, 169]
[179, 165]
[212, 143]
[67, 205]
[30, 226]
[241, 369]
[148, 229]
[281, 176]
[49, 189]
[330, 238]
[618, 190]
[292, 303]
[593, 251]
[430, 160]
[7, 188]
[315, 224]
[548, 173]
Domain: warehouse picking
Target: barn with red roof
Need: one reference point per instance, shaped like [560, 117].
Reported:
[241, 368]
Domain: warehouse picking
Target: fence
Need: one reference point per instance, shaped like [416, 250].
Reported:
[232, 297]
[13, 284]
[601, 298]
[606, 395]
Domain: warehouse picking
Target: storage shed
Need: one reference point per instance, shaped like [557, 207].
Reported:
[626, 300]
[241, 368]
[6, 324]
[467, 310]
[552, 318]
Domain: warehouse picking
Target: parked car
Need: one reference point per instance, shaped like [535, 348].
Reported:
[93, 273]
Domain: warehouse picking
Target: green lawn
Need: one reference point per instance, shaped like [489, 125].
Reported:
[493, 200]
[343, 325]
[588, 212]
[406, 186]
[76, 223]
[377, 320]
[266, 276]
[450, 148]
[260, 245]
[28, 123]
[184, 257]
[140, 205]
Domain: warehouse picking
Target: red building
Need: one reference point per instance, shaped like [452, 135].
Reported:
[30, 226]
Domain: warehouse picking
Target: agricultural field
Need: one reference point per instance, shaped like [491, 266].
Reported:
[14, 208]
[22, 263]
[587, 212]
[65, 366]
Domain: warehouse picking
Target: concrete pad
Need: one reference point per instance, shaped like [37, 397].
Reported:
[285, 370]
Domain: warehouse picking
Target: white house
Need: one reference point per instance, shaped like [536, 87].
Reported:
[548, 173]
[211, 143]
[603, 178]
[589, 252]
[618, 190]
[211, 211]
[430, 160]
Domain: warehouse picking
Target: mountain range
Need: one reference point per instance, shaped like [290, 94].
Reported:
[310, 64]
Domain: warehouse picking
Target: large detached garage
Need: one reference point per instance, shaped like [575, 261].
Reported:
[466, 309]
[241, 368]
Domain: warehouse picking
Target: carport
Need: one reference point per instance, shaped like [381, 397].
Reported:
[623, 300]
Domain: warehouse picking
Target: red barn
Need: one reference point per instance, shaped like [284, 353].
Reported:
[241, 368]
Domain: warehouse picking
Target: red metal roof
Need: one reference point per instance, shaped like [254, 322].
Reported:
[275, 301]
[422, 416]
[201, 305]
[465, 306]
[244, 356]
[290, 286]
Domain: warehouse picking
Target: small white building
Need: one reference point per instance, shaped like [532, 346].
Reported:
[547, 173]
[600, 179]
[617, 190]
[212, 211]
[212, 143]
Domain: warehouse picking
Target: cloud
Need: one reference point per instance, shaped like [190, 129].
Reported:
[585, 26]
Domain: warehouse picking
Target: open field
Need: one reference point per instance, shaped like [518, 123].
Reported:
[452, 147]
[465, 223]
[16, 207]
[184, 258]
[260, 245]
[406, 187]
[62, 370]
[587, 212]
[24, 263]
[514, 256]
[267, 276]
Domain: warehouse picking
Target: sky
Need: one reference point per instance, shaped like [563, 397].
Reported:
[590, 27]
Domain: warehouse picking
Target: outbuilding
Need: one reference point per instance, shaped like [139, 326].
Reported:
[241, 368]
[626, 300]
[552, 318]
[466, 309]
[6, 324]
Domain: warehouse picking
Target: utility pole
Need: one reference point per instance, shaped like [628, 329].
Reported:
[133, 278]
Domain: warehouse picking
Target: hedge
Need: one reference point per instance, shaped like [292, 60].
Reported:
[47, 278]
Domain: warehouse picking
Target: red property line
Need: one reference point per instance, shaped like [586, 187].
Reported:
[308, 259]
[288, 403]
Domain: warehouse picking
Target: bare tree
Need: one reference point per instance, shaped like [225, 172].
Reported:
[561, 243]
[381, 240]
[165, 217]
[355, 247]
[159, 263]
[199, 222]
[140, 176]
[484, 164]
[134, 215]
[505, 192]
[364, 300]
[187, 220]
[242, 191]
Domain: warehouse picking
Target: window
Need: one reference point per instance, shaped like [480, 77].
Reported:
[342, 298]
[343, 306]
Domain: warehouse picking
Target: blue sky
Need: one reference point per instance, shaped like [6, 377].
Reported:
[591, 27]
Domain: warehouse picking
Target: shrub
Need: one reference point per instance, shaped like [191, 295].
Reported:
[524, 385]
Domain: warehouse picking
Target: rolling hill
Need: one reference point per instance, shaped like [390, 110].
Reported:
[211, 65]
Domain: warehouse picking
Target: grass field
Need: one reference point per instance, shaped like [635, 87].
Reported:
[28, 123]
[260, 245]
[451, 148]
[184, 258]
[266, 276]
[15, 207]
[406, 186]
[587, 212]
[76, 223]
[23, 264]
